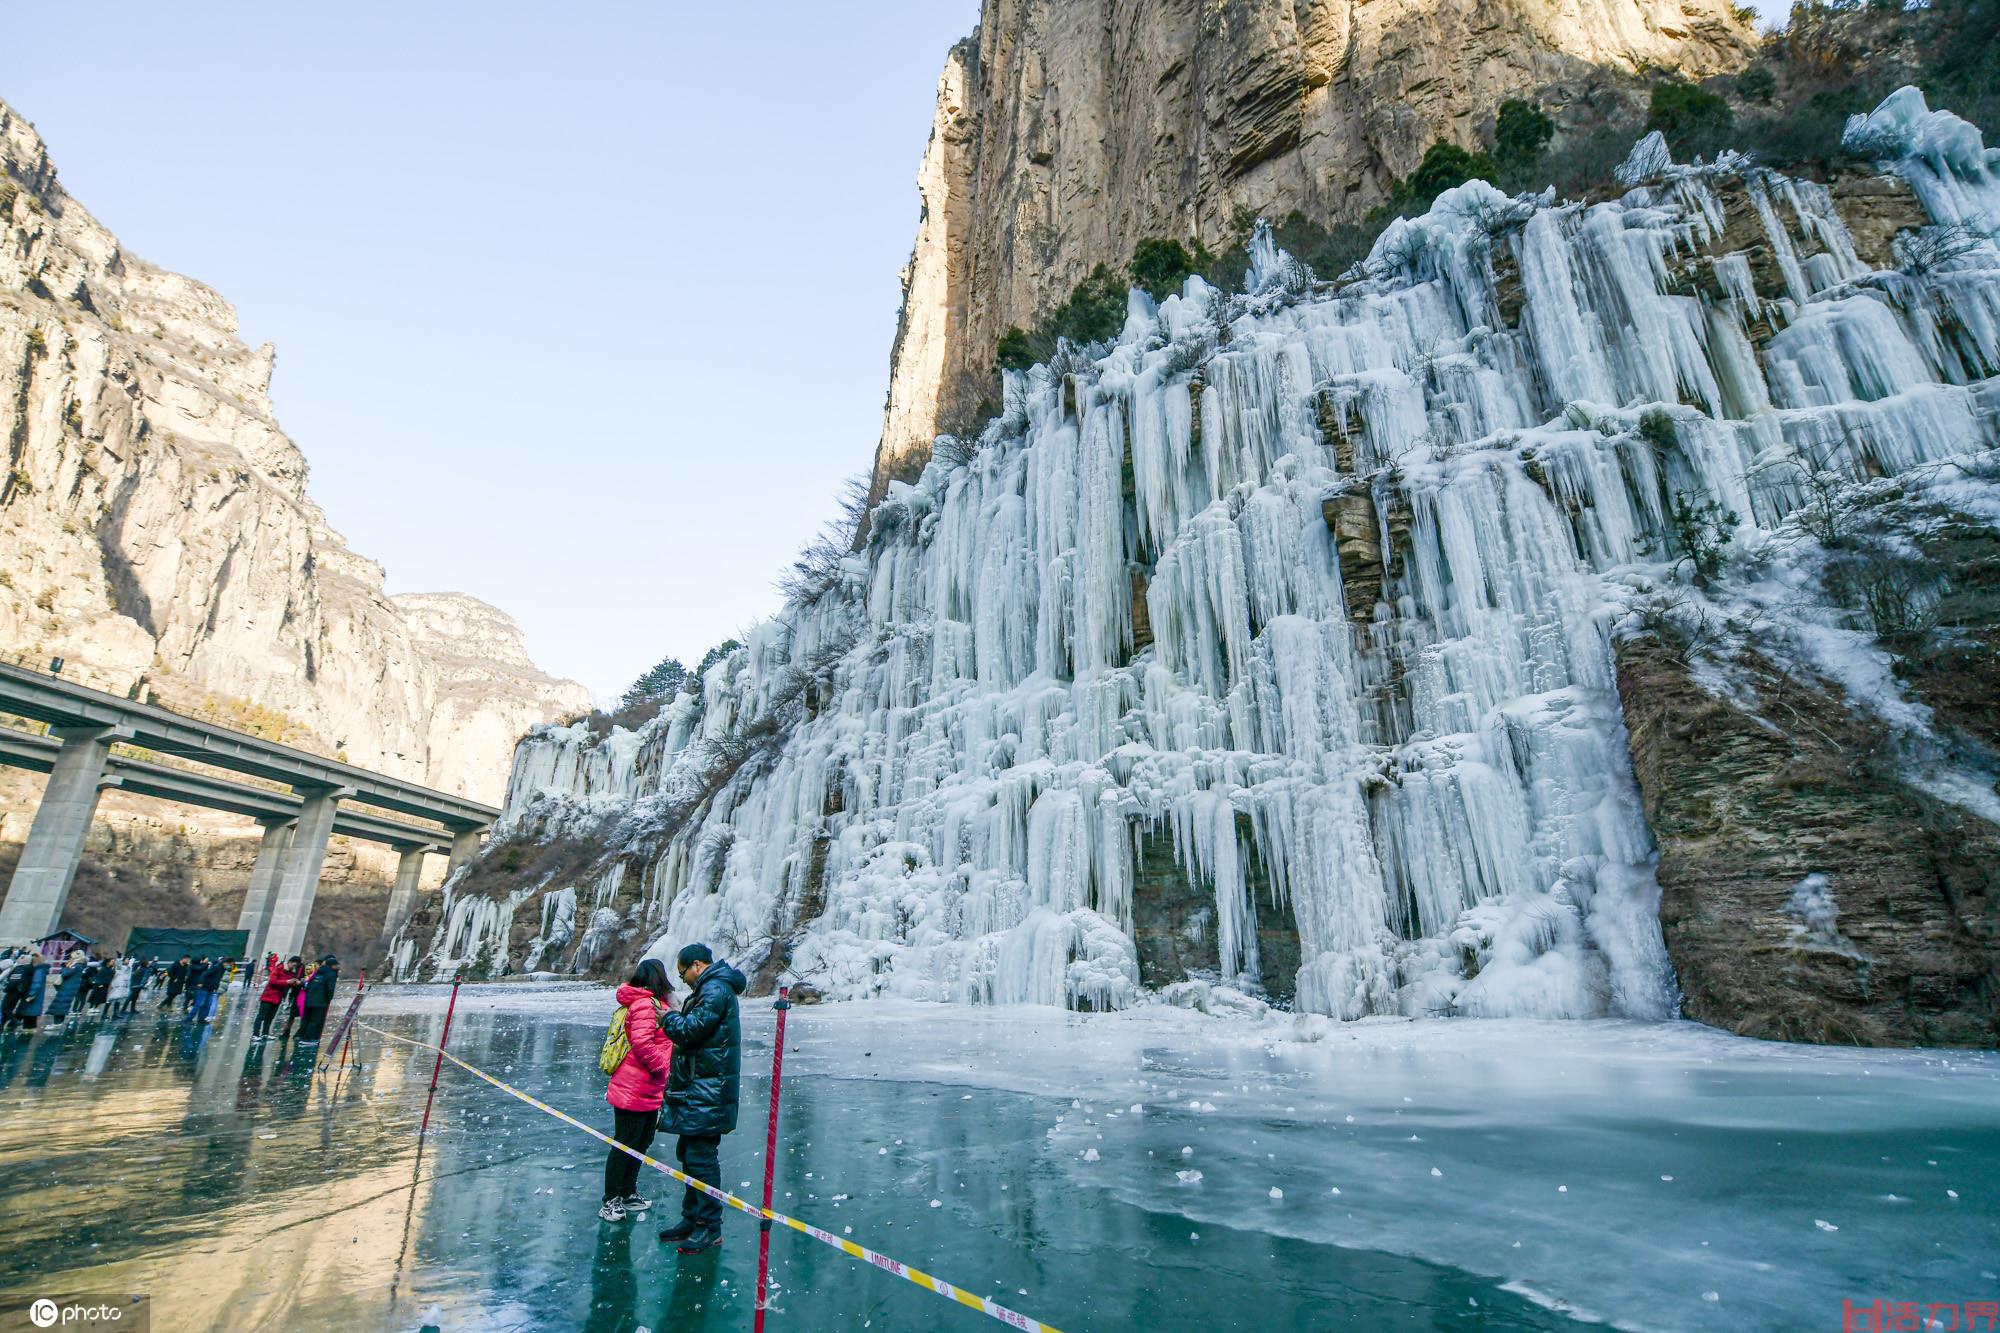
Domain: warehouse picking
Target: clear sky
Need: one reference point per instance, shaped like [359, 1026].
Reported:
[584, 309]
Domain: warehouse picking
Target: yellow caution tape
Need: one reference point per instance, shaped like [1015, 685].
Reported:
[882, 1261]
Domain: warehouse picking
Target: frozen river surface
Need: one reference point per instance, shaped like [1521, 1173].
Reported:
[1159, 1169]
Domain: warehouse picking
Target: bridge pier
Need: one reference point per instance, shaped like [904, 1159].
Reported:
[49, 859]
[465, 843]
[403, 898]
[256, 914]
[298, 880]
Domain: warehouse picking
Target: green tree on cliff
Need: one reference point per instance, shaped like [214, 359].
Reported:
[1693, 119]
[1520, 133]
[664, 681]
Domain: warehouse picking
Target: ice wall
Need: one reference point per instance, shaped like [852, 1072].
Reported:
[1320, 581]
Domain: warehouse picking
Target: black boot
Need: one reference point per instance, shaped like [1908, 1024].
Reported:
[679, 1231]
[702, 1238]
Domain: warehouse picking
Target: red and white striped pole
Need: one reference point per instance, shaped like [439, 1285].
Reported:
[448, 1009]
[771, 1155]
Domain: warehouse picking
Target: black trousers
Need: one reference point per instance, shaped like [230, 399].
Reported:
[266, 1011]
[311, 1022]
[635, 1129]
[700, 1157]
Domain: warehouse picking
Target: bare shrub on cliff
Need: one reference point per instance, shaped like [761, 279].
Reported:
[1684, 626]
[1826, 512]
[1982, 466]
[1892, 587]
[1072, 359]
[1931, 250]
[817, 567]
[966, 405]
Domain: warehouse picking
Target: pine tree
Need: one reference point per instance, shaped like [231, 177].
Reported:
[662, 682]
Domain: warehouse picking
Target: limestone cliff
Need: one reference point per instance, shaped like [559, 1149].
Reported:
[1067, 132]
[155, 524]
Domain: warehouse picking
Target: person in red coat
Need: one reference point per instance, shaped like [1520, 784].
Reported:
[277, 978]
[638, 1087]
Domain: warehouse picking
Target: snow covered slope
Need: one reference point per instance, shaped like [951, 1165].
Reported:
[1273, 645]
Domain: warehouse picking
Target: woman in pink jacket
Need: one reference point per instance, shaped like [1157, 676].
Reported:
[638, 1087]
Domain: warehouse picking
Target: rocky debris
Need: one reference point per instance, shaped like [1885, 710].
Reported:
[1876, 209]
[1357, 538]
[1174, 922]
[157, 528]
[1142, 619]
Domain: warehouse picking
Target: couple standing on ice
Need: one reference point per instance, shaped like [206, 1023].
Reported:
[687, 1062]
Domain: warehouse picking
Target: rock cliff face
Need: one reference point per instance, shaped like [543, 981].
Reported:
[1068, 131]
[154, 522]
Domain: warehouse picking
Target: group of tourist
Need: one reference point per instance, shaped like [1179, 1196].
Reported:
[36, 989]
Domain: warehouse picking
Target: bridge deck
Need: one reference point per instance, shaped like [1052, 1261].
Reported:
[20, 749]
[61, 703]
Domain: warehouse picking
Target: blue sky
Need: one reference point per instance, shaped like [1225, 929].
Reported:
[585, 310]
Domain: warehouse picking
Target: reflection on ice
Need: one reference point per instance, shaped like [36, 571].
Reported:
[1617, 1170]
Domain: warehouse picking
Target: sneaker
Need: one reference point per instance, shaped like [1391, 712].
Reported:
[703, 1238]
[680, 1230]
[613, 1210]
[635, 1204]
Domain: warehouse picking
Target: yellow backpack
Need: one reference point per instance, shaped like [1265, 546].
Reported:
[618, 1043]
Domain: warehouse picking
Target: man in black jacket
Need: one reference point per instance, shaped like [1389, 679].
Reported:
[319, 995]
[701, 1087]
[177, 980]
[207, 985]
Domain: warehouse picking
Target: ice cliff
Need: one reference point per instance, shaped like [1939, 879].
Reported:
[1276, 645]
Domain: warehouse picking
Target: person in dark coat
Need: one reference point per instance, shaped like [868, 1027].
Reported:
[177, 980]
[318, 996]
[97, 983]
[34, 990]
[208, 985]
[192, 984]
[13, 986]
[23, 996]
[700, 1103]
[67, 989]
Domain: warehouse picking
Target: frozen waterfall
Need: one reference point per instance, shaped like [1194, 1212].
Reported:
[1299, 605]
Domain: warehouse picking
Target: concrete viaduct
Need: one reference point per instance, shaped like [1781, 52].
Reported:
[76, 754]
